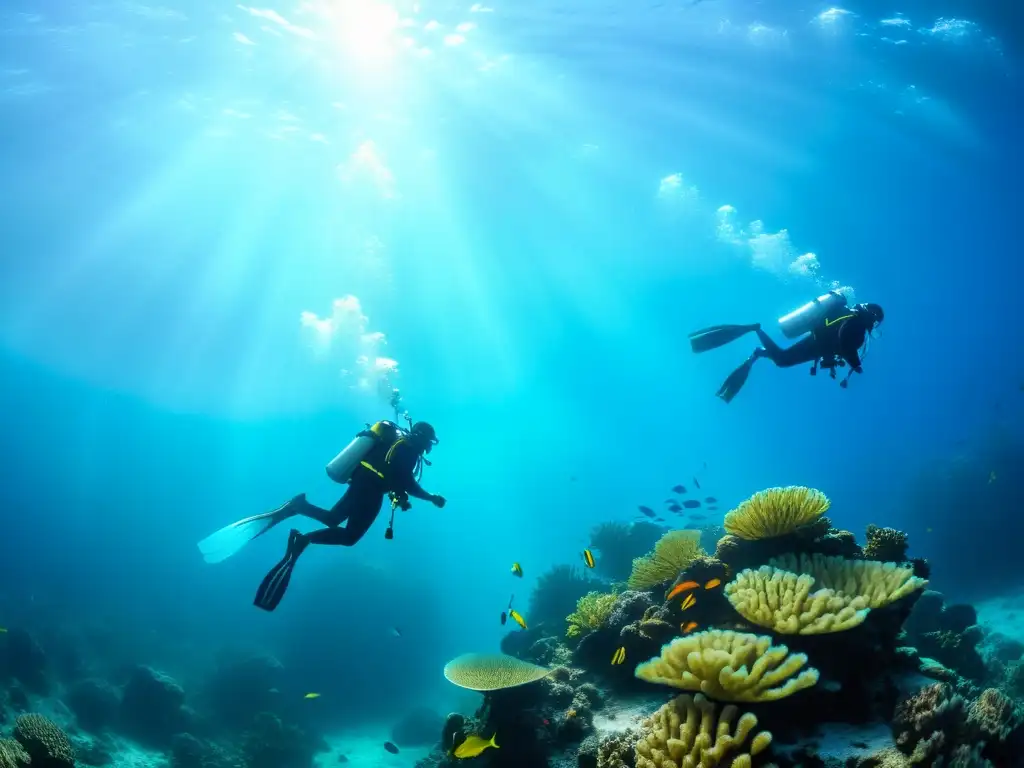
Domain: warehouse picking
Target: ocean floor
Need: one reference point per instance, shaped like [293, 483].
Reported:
[366, 750]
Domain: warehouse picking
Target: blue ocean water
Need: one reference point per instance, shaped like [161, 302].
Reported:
[229, 232]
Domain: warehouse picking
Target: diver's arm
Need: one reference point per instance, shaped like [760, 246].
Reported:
[851, 339]
[404, 462]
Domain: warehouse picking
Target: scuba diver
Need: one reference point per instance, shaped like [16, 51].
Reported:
[383, 460]
[837, 334]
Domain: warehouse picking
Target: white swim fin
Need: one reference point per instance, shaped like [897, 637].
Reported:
[222, 544]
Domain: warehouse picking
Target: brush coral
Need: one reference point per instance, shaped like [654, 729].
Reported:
[672, 554]
[776, 512]
[592, 612]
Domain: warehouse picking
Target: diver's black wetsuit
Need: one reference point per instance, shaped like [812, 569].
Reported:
[841, 334]
[365, 495]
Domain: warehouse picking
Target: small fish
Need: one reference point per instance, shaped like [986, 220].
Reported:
[698, 517]
[474, 745]
[646, 510]
[390, 747]
[688, 627]
[710, 500]
[927, 530]
[342, 759]
[696, 483]
[396, 632]
[517, 570]
[311, 696]
[3, 630]
[670, 501]
[514, 615]
[619, 656]
[273, 690]
[712, 583]
[678, 589]
[689, 602]
[660, 519]
[679, 489]
[691, 504]
[588, 558]
[675, 507]
[546, 721]
[713, 509]
[572, 478]
[992, 477]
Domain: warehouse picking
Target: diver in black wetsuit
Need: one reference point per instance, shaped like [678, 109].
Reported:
[836, 335]
[389, 469]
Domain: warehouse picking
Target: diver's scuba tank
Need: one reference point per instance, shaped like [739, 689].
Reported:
[340, 468]
[809, 316]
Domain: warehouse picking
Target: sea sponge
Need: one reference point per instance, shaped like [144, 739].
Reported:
[12, 754]
[886, 544]
[782, 601]
[44, 741]
[921, 722]
[729, 666]
[994, 715]
[673, 553]
[776, 512]
[878, 583]
[592, 612]
[492, 671]
[684, 734]
[617, 750]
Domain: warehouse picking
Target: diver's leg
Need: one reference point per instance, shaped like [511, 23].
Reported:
[337, 514]
[275, 583]
[804, 351]
[360, 518]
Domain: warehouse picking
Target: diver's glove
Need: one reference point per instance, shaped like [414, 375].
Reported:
[438, 501]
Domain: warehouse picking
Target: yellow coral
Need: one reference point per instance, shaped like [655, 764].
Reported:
[775, 512]
[878, 583]
[12, 754]
[729, 666]
[592, 611]
[782, 601]
[673, 553]
[684, 734]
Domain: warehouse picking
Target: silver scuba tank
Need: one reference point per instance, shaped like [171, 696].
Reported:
[806, 318]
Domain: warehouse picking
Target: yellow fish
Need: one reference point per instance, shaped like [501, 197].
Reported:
[619, 656]
[517, 570]
[588, 558]
[689, 602]
[311, 696]
[514, 615]
[712, 584]
[474, 745]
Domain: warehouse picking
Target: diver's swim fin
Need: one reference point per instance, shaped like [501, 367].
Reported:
[718, 336]
[275, 583]
[222, 544]
[734, 383]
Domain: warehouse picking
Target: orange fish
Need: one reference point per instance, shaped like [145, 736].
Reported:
[689, 602]
[688, 628]
[712, 584]
[680, 588]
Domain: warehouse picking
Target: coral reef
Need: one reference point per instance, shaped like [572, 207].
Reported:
[947, 634]
[592, 612]
[153, 707]
[775, 512]
[618, 544]
[685, 734]
[46, 744]
[555, 596]
[95, 703]
[672, 554]
[271, 743]
[12, 754]
[730, 666]
[885, 544]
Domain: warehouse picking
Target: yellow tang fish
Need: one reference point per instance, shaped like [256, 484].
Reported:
[588, 558]
[619, 656]
[474, 745]
[517, 570]
[311, 696]
[514, 615]
[689, 602]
